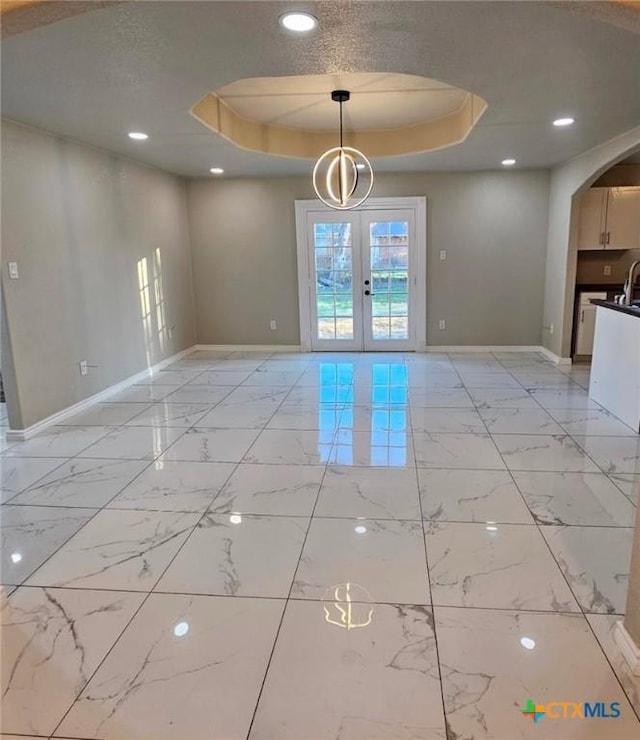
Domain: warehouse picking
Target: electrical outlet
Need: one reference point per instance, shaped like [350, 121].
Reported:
[273, 325]
[84, 368]
[606, 270]
[13, 270]
[442, 324]
[443, 254]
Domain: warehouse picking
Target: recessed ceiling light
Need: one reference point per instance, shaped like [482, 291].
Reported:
[181, 629]
[235, 519]
[138, 135]
[527, 643]
[298, 22]
[16, 557]
[360, 529]
[563, 122]
[216, 171]
[508, 162]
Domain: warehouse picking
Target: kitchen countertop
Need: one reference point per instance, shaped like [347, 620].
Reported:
[617, 307]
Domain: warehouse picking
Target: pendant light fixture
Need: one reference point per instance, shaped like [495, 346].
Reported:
[342, 177]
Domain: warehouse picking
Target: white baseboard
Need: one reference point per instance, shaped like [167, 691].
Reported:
[248, 347]
[20, 435]
[554, 357]
[454, 349]
[628, 648]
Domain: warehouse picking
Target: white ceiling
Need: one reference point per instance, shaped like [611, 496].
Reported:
[378, 101]
[141, 66]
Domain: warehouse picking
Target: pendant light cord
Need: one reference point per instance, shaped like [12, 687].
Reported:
[341, 124]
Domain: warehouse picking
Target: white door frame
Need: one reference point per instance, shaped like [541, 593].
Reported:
[418, 296]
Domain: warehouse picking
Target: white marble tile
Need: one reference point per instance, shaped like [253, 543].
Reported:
[82, 482]
[595, 561]
[386, 686]
[386, 493]
[575, 498]
[53, 640]
[106, 414]
[142, 394]
[19, 473]
[543, 452]
[496, 398]
[172, 377]
[202, 684]
[31, 534]
[327, 374]
[603, 626]
[208, 394]
[174, 486]
[519, 421]
[121, 550]
[591, 422]
[368, 552]
[373, 449]
[382, 417]
[629, 484]
[497, 566]
[458, 421]
[306, 417]
[489, 380]
[431, 379]
[242, 416]
[169, 414]
[219, 377]
[613, 454]
[471, 496]
[326, 395]
[456, 451]
[440, 398]
[289, 364]
[564, 399]
[263, 395]
[58, 441]
[289, 490]
[291, 447]
[211, 445]
[488, 676]
[544, 381]
[238, 555]
[133, 443]
[262, 376]
[476, 363]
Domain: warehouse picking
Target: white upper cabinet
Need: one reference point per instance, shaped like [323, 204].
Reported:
[623, 219]
[609, 219]
[593, 211]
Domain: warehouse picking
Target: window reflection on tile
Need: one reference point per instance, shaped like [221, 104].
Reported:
[384, 441]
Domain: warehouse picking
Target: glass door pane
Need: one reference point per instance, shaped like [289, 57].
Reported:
[386, 265]
[335, 319]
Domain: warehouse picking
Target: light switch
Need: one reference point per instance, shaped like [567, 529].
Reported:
[442, 324]
[13, 270]
[606, 270]
[443, 254]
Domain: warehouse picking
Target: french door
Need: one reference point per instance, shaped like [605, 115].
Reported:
[360, 290]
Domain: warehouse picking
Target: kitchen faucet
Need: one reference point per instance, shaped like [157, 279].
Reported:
[628, 287]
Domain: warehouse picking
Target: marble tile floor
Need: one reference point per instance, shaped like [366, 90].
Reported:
[309, 546]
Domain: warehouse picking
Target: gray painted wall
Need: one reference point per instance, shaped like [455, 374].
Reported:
[567, 181]
[78, 221]
[489, 290]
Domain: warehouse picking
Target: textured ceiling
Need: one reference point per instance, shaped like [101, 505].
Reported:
[141, 66]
